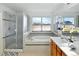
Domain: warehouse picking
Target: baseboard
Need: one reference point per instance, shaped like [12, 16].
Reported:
[36, 44]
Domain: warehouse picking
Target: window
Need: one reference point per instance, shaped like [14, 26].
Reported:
[69, 20]
[36, 21]
[41, 24]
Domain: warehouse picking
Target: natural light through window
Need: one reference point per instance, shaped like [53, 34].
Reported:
[69, 20]
[41, 24]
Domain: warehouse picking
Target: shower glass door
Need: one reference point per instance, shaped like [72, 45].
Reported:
[13, 31]
[9, 32]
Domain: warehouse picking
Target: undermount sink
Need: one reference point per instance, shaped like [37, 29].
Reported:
[70, 45]
[64, 44]
[75, 48]
[67, 42]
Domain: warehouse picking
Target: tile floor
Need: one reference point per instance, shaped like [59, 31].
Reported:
[36, 50]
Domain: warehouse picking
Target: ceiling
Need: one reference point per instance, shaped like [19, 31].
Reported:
[43, 7]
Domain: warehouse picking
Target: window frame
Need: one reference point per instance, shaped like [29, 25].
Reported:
[69, 17]
[42, 24]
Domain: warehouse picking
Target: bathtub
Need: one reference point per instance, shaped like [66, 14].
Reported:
[39, 40]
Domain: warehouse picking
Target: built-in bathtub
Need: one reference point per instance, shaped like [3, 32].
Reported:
[40, 38]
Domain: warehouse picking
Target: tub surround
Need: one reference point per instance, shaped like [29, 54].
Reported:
[42, 34]
[38, 38]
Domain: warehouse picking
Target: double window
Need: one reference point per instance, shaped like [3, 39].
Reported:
[41, 24]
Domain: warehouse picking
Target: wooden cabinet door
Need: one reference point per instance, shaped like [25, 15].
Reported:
[59, 50]
[63, 54]
[54, 52]
[58, 53]
[54, 49]
[51, 50]
[51, 47]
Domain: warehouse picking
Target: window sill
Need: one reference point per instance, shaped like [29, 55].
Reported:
[41, 32]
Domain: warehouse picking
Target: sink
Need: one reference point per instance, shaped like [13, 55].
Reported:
[70, 45]
[67, 42]
[64, 44]
[74, 51]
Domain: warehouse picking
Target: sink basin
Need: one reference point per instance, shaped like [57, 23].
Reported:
[70, 45]
[65, 45]
[67, 48]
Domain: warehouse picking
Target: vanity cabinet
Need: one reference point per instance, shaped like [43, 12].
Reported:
[58, 51]
[63, 54]
[55, 50]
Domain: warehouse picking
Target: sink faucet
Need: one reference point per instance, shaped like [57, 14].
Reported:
[71, 43]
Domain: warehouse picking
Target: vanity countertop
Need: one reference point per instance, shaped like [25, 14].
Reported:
[64, 46]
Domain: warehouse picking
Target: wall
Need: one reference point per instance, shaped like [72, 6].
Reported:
[19, 30]
[4, 8]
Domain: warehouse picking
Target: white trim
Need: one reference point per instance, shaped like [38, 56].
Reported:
[13, 50]
[41, 32]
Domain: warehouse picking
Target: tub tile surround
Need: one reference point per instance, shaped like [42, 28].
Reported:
[38, 38]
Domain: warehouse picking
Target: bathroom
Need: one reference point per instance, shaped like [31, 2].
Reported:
[29, 29]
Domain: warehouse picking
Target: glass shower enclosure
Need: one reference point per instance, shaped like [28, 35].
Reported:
[12, 31]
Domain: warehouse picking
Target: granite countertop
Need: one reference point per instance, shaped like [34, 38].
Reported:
[64, 46]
